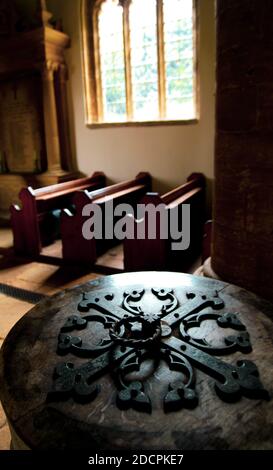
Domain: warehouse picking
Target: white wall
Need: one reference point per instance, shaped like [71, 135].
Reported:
[171, 152]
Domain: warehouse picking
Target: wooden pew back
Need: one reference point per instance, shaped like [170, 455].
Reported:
[150, 254]
[36, 203]
[80, 250]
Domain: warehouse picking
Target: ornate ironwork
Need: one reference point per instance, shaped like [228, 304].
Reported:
[135, 335]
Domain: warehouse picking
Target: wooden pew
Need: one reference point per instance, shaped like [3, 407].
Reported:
[156, 254]
[75, 247]
[30, 224]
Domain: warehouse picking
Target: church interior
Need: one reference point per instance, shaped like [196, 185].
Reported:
[99, 103]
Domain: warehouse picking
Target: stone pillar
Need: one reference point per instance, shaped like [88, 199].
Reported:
[54, 166]
[242, 246]
[63, 114]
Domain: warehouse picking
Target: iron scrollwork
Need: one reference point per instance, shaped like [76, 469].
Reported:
[133, 335]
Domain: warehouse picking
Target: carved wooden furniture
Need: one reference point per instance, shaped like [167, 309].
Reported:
[75, 247]
[143, 254]
[141, 361]
[27, 221]
[34, 132]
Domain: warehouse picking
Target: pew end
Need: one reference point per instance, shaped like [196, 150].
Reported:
[29, 225]
[143, 254]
